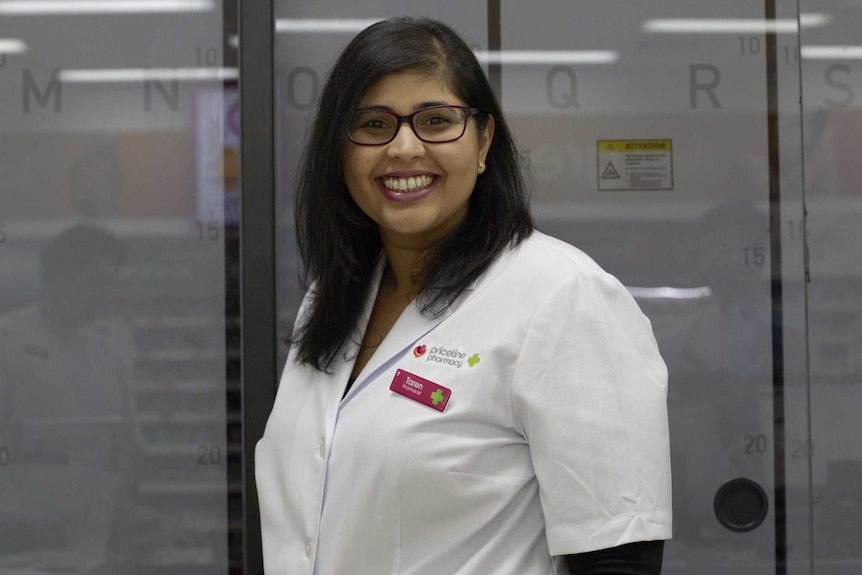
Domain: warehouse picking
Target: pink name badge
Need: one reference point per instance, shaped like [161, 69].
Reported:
[420, 389]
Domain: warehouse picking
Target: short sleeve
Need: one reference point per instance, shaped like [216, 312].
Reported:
[590, 395]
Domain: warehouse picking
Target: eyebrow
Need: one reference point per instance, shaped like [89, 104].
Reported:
[420, 106]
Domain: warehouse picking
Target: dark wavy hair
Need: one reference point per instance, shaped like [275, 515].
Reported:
[340, 245]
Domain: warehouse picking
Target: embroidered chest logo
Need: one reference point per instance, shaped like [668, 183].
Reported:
[449, 356]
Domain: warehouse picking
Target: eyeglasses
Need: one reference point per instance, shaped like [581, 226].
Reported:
[435, 125]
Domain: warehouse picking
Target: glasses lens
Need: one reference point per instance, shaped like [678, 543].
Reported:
[373, 126]
[439, 124]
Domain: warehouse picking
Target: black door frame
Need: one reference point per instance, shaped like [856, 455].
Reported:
[257, 251]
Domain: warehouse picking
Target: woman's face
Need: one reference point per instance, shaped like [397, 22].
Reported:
[415, 191]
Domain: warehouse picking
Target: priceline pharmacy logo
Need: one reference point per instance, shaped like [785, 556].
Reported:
[446, 356]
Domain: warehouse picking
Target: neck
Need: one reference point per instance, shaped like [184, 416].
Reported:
[403, 264]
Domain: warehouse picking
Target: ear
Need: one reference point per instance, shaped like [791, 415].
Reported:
[485, 138]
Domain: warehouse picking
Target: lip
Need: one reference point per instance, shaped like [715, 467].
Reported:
[406, 197]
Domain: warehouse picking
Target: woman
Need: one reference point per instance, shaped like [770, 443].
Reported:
[463, 394]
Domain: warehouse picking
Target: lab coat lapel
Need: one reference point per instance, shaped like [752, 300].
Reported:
[351, 346]
[411, 326]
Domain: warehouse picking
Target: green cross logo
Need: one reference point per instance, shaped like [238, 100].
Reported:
[473, 360]
[437, 397]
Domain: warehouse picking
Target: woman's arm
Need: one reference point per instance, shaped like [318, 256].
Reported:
[641, 558]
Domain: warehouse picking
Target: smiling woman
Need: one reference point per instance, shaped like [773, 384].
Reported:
[449, 362]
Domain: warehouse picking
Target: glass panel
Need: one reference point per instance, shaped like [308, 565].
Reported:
[118, 198]
[649, 141]
[648, 138]
[832, 85]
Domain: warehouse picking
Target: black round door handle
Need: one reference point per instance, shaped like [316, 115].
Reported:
[741, 505]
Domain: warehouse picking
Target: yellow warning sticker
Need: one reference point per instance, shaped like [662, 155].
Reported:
[635, 145]
[635, 164]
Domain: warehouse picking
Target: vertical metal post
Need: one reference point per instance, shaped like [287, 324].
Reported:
[257, 251]
[776, 290]
[495, 42]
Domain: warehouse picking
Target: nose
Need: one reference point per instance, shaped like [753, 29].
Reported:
[406, 145]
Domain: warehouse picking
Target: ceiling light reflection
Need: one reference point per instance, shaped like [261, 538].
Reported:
[148, 75]
[730, 25]
[831, 52]
[338, 25]
[12, 46]
[669, 292]
[45, 7]
[547, 56]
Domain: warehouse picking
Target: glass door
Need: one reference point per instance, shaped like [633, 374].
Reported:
[831, 63]
[663, 138]
[119, 343]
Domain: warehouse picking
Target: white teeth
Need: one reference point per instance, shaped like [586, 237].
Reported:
[408, 184]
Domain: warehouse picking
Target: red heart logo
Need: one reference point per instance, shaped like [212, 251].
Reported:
[419, 350]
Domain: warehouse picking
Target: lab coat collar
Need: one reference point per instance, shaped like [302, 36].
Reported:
[410, 327]
[493, 268]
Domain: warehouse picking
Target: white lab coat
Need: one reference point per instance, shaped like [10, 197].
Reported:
[554, 442]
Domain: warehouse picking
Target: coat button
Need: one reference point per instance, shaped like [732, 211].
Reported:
[308, 549]
[322, 450]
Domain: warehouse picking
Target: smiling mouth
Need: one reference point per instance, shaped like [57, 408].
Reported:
[410, 184]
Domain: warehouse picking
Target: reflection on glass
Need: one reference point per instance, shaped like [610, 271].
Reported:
[702, 228]
[118, 334]
[832, 125]
[65, 397]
